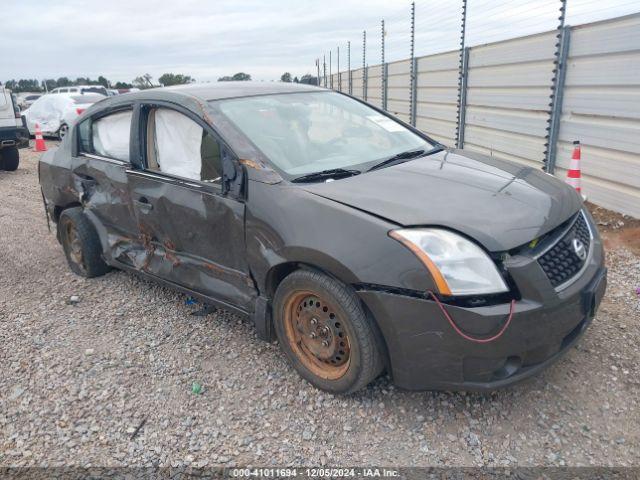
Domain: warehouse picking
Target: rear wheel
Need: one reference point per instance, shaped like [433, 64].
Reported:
[325, 333]
[81, 244]
[9, 159]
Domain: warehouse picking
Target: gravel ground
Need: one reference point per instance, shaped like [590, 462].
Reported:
[79, 377]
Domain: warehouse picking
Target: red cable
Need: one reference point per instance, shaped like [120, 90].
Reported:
[467, 337]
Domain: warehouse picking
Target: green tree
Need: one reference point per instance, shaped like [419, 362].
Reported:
[168, 79]
[104, 82]
[240, 76]
[122, 85]
[63, 82]
[143, 81]
[295, 80]
[49, 84]
[285, 77]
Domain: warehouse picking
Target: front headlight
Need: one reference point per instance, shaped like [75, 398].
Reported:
[458, 266]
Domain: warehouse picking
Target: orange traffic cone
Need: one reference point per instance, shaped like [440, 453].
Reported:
[573, 174]
[40, 146]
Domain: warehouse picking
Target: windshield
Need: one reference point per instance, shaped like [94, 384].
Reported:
[314, 131]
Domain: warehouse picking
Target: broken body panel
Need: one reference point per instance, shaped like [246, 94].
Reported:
[230, 246]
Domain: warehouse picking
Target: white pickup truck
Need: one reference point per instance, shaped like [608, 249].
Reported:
[13, 132]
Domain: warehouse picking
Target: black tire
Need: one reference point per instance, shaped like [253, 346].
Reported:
[341, 307]
[81, 244]
[9, 159]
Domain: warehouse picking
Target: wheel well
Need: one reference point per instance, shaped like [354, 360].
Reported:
[57, 210]
[279, 272]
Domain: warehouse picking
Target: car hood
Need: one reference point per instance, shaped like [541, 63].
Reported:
[500, 204]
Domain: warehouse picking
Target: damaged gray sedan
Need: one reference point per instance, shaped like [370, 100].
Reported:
[357, 241]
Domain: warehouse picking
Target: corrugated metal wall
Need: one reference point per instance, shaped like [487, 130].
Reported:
[601, 108]
[508, 95]
[399, 89]
[437, 96]
[509, 86]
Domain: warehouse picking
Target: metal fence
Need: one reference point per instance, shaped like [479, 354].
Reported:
[525, 99]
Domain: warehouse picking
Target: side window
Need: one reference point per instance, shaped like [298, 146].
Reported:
[177, 145]
[63, 90]
[108, 136]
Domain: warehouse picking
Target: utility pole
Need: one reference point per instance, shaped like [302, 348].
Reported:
[414, 69]
[364, 64]
[330, 75]
[349, 66]
[324, 69]
[462, 80]
[338, 68]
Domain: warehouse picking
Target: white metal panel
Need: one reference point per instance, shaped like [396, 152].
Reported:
[609, 36]
[443, 78]
[440, 128]
[442, 61]
[398, 94]
[613, 69]
[438, 111]
[532, 74]
[398, 106]
[437, 95]
[403, 81]
[517, 121]
[401, 67]
[605, 132]
[525, 49]
[375, 71]
[622, 102]
[523, 98]
[522, 146]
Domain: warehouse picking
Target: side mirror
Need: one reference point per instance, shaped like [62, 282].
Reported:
[233, 177]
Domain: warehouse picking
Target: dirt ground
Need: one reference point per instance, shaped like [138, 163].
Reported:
[107, 379]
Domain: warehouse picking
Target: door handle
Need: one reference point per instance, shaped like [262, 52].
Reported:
[143, 204]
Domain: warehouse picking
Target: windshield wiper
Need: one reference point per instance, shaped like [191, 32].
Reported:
[404, 156]
[331, 173]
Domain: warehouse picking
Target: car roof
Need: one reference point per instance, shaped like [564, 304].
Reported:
[222, 90]
[195, 96]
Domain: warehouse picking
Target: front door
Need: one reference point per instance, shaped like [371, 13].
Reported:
[191, 234]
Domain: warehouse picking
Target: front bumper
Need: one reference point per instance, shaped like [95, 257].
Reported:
[14, 136]
[426, 353]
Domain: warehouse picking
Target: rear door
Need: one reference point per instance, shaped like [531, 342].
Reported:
[100, 162]
[193, 234]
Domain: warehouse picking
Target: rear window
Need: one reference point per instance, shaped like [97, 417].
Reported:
[107, 136]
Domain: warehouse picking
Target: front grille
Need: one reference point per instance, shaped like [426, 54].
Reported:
[561, 262]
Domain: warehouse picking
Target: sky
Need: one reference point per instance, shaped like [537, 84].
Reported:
[122, 39]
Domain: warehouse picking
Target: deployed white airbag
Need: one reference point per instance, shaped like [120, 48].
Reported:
[111, 135]
[178, 144]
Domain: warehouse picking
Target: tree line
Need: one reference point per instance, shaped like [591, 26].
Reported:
[141, 82]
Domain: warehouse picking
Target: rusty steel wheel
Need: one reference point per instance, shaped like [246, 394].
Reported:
[325, 333]
[317, 335]
[74, 244]
[81, 243]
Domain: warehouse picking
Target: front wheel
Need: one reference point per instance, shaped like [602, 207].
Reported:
[325, 333]
[9, 159]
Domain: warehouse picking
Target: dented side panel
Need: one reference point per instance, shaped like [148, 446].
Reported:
[191, 236]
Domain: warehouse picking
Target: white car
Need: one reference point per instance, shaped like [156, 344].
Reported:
[81, 89]
[56, 113]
